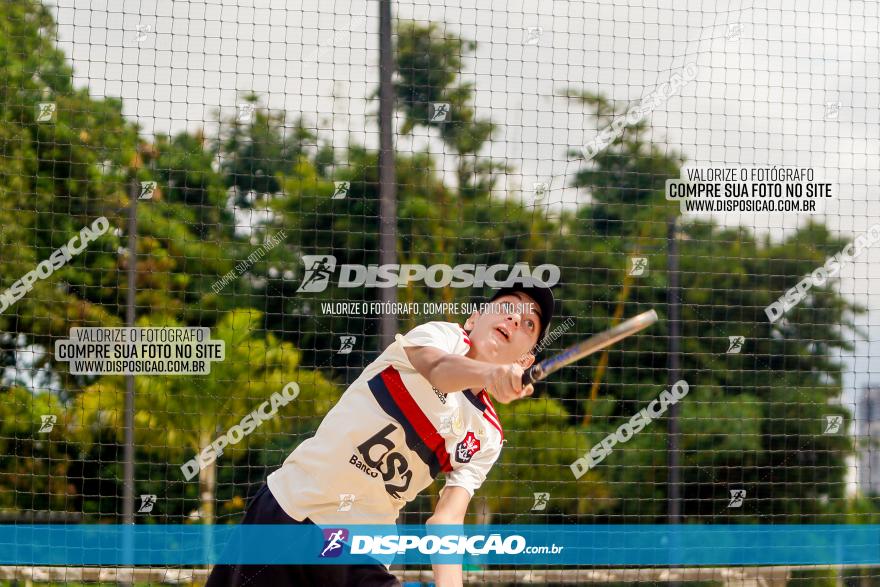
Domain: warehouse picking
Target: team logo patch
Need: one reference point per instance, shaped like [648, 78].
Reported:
[333, 541]
[467, 448]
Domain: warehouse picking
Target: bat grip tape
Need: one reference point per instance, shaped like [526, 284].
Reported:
[532, 374]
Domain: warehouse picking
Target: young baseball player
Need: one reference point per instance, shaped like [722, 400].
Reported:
[421, 408]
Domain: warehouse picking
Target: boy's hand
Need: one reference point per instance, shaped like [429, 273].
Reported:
[504, 383]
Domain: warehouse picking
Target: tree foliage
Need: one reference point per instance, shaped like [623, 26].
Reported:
[751, 420]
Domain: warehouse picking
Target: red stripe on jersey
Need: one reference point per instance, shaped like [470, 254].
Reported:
[494, 423]
[420, 422]
[490, 414]
[489, 406]
[465, 335]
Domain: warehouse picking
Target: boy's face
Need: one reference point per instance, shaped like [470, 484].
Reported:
[506, 331]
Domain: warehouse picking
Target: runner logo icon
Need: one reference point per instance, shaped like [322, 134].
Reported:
[333, 541]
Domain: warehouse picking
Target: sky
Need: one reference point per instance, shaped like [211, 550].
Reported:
[773, 86]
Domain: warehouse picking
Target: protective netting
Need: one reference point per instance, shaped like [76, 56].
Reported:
[711, 162]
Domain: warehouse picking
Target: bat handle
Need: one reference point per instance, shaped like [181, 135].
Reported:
[532, 374]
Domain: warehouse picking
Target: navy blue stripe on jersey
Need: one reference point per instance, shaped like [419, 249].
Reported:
[413, 439]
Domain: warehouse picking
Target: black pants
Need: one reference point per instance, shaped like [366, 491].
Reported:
[265, 510]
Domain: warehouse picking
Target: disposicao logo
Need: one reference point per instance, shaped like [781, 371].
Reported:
[320, 269]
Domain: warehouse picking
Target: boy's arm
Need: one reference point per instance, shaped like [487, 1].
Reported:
[448, 373]
[451, 509]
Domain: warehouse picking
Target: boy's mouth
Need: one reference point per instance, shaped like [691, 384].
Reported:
[504, 332]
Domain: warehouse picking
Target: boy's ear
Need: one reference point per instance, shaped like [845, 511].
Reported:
[472, 319]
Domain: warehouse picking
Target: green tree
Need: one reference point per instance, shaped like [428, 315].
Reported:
[180, 416]
[35, 461]
[751, 420]
[185, 166]
[540, 445]
[429, 61]
[257, 146]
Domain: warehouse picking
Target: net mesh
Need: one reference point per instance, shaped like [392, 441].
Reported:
[243, 139]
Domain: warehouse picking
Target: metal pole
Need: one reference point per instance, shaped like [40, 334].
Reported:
[387, 178]
[134, 189]
[128, 452]
[673, 301]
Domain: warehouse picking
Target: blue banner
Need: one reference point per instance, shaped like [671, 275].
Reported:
[545, 545]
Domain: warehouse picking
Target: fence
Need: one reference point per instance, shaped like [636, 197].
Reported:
[196, 200]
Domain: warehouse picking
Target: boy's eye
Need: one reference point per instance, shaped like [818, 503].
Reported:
[531, 324]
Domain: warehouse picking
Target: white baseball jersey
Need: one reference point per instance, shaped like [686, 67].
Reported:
[387, 438]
